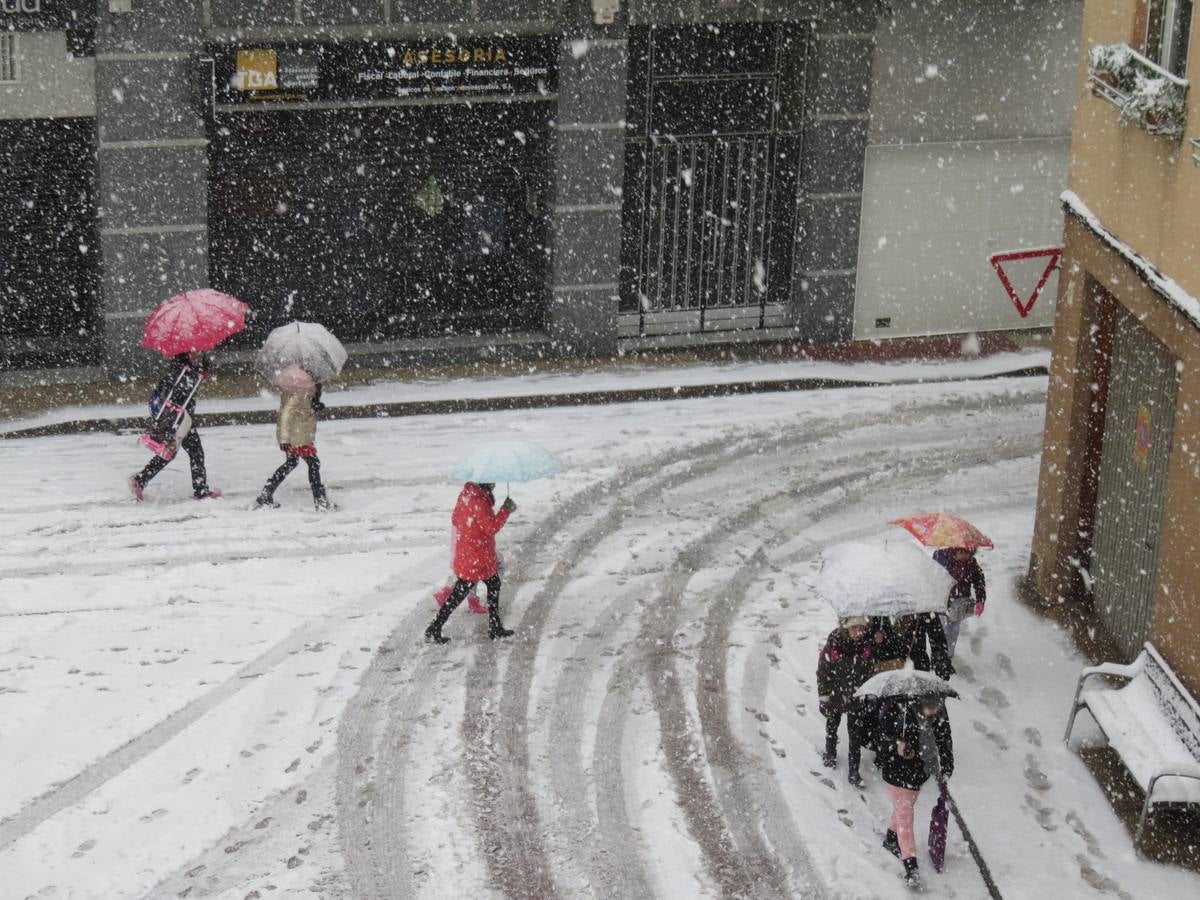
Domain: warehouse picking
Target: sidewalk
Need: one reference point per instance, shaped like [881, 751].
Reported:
[248, 400]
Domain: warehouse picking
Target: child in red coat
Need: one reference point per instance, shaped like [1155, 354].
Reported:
[475, 524]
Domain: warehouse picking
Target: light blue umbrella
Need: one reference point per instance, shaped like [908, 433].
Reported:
[507, 461]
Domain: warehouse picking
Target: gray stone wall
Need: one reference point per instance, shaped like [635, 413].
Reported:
[153, 153]
[589, 171]
[152, 171]
[837, 110]
[51, 83]
[976, 70]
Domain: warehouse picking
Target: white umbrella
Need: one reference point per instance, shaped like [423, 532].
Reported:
[906, 682]
[895, 578]
[305, 344]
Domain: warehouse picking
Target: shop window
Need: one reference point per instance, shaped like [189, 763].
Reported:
[9, 56]
[1167, 29]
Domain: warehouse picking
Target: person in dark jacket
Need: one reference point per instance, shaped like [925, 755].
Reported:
[845, 664]
[475, 523]
[967, 596]
[917, 745]
[172, 425]
[916, 637]
[928, 651]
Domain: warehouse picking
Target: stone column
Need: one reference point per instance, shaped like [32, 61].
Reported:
[153, 168]
[589, 172]
[837, 113]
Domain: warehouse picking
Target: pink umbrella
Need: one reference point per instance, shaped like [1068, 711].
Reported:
[294, 380]
[943, 530]
[193, 320]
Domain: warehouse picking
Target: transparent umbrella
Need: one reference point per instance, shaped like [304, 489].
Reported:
[309, 345]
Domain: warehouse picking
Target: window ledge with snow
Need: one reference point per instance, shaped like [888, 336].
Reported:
[1144, 93]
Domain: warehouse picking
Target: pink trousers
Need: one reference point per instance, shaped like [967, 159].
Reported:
[903, 802]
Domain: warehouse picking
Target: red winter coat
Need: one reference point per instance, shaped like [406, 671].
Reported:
[475, 525]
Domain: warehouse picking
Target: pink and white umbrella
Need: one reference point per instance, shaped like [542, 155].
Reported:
[194, 320]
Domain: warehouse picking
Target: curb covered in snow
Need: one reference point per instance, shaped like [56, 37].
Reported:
[500, 404]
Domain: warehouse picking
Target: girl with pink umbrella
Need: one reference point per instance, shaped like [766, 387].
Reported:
[182, 329]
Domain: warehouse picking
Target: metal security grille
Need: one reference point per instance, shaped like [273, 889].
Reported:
[708, 227]
[9, 56]
[711, 169]
[1134, 469]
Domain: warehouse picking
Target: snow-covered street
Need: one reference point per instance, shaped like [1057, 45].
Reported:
[202, 699]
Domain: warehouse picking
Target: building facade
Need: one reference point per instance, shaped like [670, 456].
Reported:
[1118, 509]
[554, 176]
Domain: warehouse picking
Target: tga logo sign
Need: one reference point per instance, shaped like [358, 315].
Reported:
[28, 7]
[257, 70]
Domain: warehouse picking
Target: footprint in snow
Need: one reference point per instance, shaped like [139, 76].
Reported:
[977, 637]
[190, 775]
[1076, 823]
[1033, 736]
[993, 698]
[152, 815]
[994, 737]
[965, 672]
[1099, 881]
[1004, 664]
[84, 848]
[1034, 776]
[1041, 812]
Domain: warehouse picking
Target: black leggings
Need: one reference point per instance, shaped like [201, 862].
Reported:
[459, 593]
[195, 451]
[858, 730]
[289, 465]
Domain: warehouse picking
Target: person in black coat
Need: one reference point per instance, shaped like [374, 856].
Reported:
[928, 650]
[917, 745]
[907, 637]
[845, 664]
[176, 396]
[967, 596]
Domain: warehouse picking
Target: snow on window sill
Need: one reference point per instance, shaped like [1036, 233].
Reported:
[1144, 93]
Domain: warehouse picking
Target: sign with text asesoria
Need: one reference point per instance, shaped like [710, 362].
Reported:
[387, 70]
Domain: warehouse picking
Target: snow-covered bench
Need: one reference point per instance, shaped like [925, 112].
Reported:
[1153, 724]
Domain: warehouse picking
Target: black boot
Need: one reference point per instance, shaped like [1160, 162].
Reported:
[853, 758]
[912, 877]
[829, 757]
[433, 634]
[496, 628]
[891, 843]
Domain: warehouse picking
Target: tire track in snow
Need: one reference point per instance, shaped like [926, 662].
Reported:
[743, 784]
[506, 798]
[374, 736]
[503, 804]
[509, 818]
[116, 762]
[370, 787]
[610, 840]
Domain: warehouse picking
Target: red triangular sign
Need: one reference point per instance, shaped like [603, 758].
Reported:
[1051, 255]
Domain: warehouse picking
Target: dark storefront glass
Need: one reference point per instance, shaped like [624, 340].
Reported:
[417, 216]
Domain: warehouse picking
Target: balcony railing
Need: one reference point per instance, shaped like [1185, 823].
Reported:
[1146, 94]
[1196, 151]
